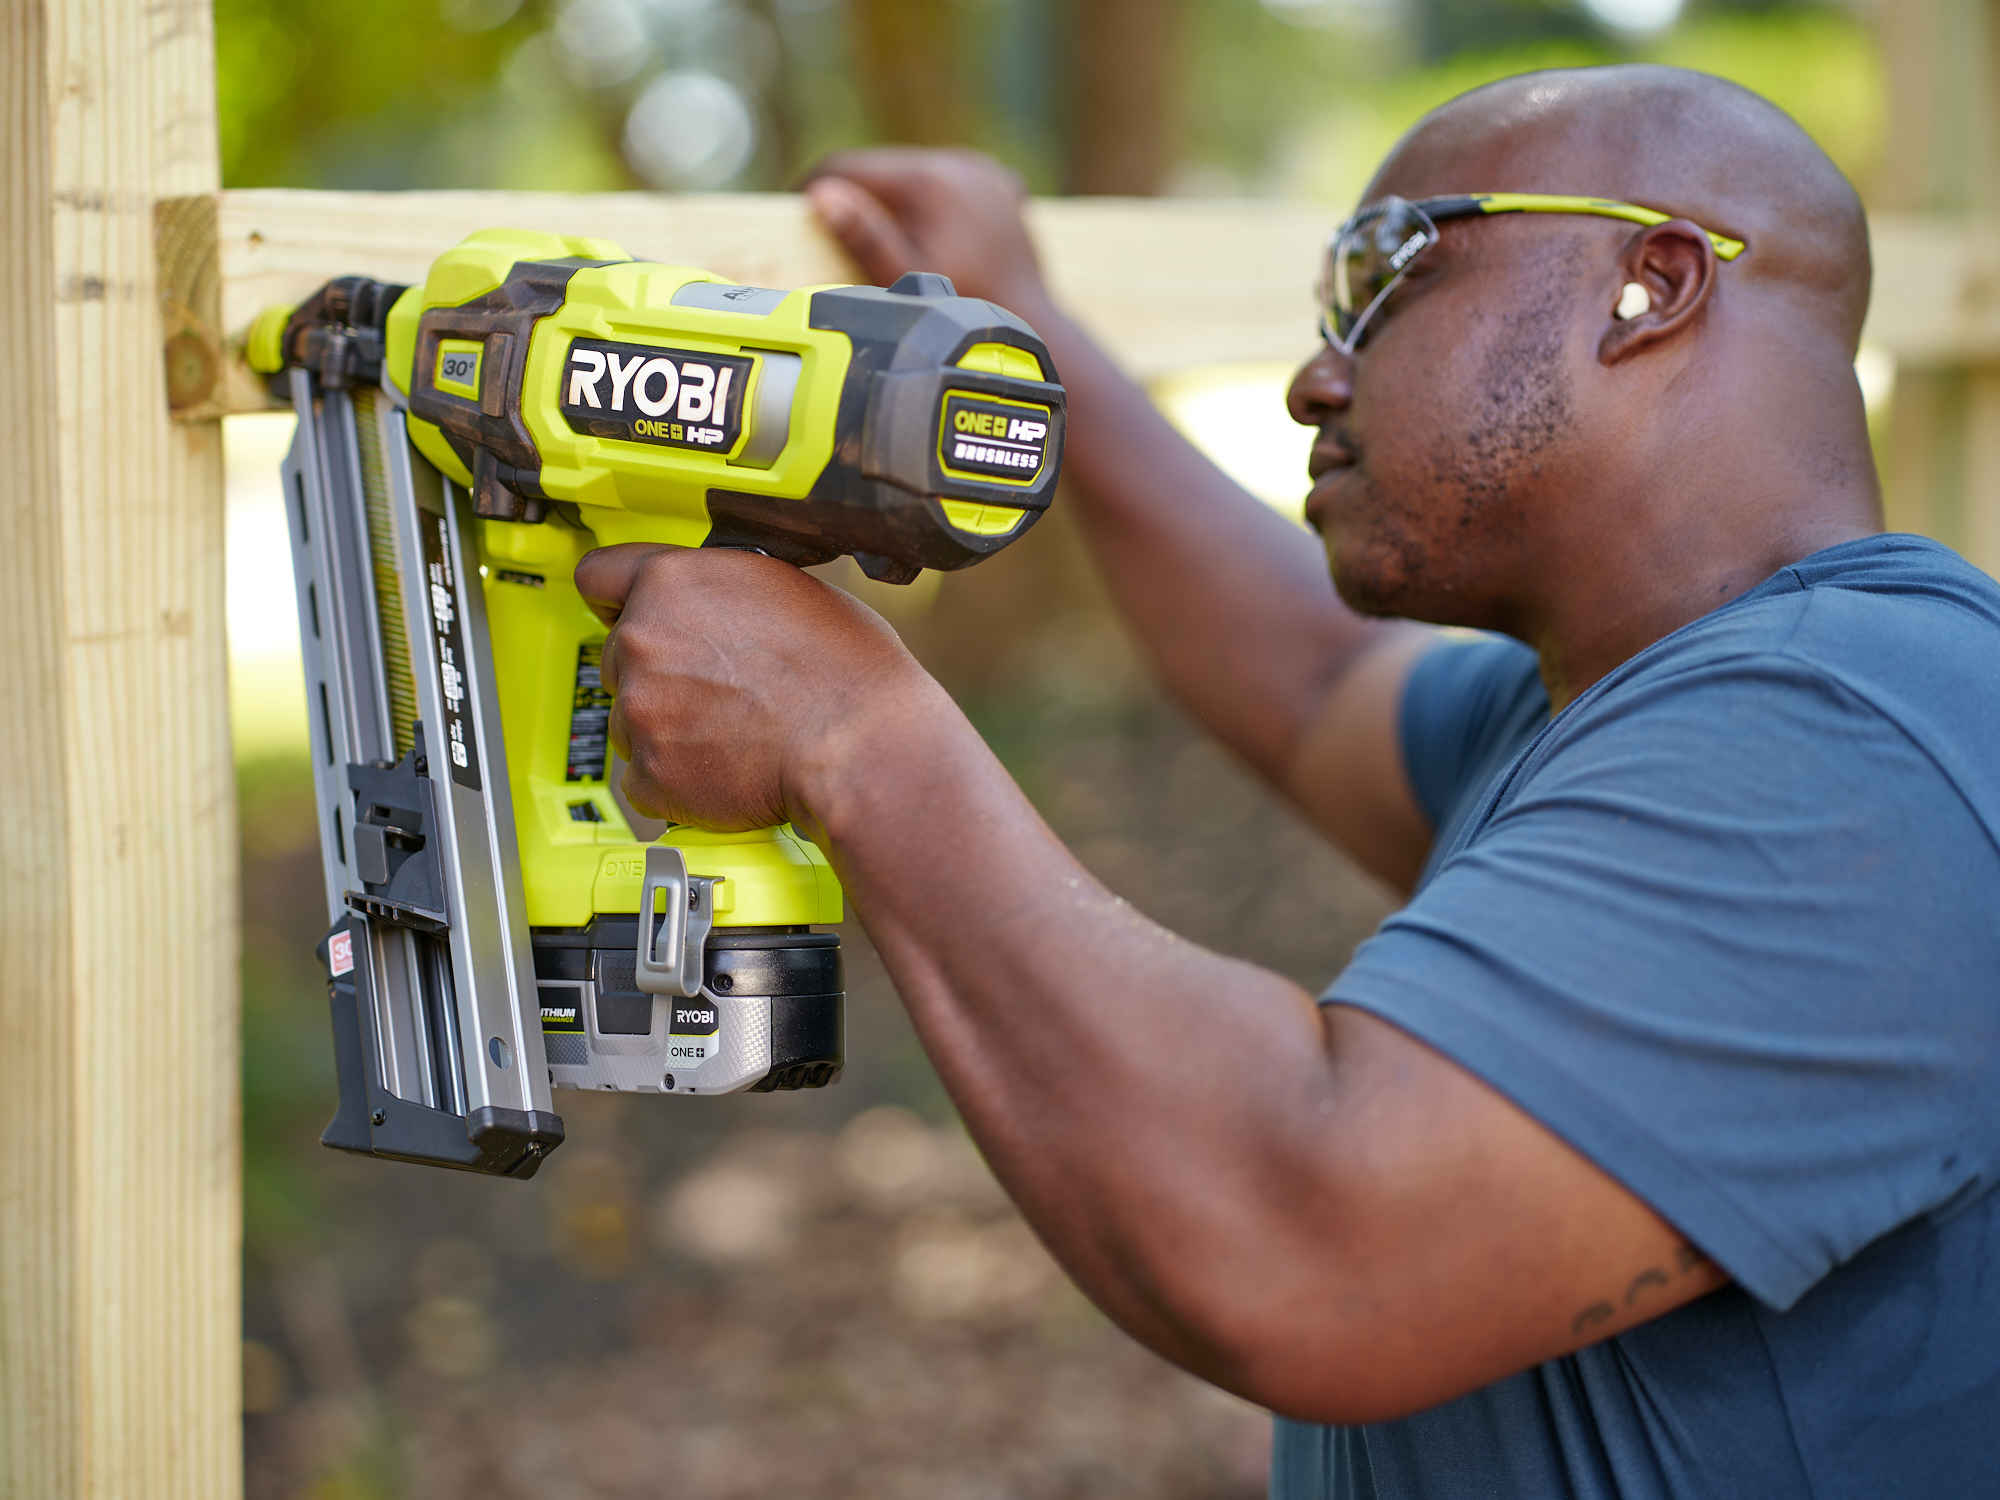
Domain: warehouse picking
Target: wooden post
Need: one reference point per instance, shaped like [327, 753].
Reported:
[119, 1198]
[1943, 461]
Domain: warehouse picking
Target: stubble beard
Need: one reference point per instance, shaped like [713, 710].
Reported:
[1427, 546]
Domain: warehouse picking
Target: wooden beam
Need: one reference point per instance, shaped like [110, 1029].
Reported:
[119, 1198]
[1166, 284]
[1937, 289]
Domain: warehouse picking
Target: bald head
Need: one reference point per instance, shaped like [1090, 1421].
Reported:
[1688, 144]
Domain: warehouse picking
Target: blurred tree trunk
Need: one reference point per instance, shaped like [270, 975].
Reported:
[781, 159]
[906, 61]
[1121, 130]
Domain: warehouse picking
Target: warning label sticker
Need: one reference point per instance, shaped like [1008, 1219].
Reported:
[589, 716]
[340, 953]
[459, 749]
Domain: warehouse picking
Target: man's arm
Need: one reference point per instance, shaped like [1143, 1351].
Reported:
[1303, 1204]
[1234, 603]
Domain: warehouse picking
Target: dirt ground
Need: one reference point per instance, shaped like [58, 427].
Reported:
[812, 1295]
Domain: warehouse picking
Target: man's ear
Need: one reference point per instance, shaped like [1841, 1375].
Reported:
[1676, 266]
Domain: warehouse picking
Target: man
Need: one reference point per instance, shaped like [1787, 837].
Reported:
[1646, 1152]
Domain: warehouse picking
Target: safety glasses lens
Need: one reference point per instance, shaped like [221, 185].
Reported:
[1365, 258]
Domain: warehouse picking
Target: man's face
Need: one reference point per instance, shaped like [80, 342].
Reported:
[1458, 418]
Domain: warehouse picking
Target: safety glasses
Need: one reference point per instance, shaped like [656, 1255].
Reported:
[1372, 252]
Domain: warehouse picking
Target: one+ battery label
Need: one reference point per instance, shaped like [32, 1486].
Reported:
[675, 398]
[691, 1035]
[993, 439]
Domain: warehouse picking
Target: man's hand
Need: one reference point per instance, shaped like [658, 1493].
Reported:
[737, 677]
[956, 212]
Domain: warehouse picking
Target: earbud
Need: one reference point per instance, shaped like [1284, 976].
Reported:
[1632, 301]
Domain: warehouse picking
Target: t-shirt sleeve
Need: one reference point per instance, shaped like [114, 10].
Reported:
[1466, 703]
[1732, 936]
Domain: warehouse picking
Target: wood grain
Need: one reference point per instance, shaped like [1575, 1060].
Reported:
[39, 1347]
[190, 294]
[1937, 289]
[119, 1199]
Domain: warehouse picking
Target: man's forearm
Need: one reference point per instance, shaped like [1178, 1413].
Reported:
[1077, 1037]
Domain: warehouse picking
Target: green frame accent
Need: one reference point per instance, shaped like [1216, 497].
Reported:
[1465, 205]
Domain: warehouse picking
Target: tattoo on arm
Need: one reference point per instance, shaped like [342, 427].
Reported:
[1592, 1315]
[1687, 1259]
[1650, 1277]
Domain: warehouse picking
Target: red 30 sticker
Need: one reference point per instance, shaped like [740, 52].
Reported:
[340, 953]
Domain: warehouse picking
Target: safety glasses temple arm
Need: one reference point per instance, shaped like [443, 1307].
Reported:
[1466, 205]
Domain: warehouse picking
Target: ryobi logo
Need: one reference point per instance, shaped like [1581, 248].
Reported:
[458, 367]
[987, 438]
[694, 1018]
[645, 394]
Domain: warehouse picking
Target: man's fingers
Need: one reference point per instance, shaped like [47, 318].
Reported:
[605, 576]
[619, 733]
[647, 799]
[607, 671]
[889, 173]
[856, 218]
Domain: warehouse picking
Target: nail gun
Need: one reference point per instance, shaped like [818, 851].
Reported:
[498, 928]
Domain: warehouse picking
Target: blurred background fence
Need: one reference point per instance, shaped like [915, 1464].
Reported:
[823, 1294]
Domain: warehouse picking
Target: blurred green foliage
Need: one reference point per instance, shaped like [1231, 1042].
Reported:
[288, 1087]
[1293, 96]
[1821, 66]
[393, 94]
